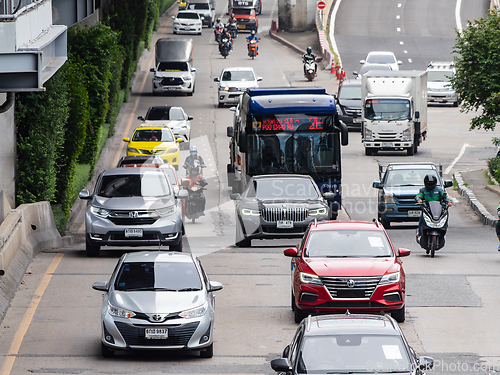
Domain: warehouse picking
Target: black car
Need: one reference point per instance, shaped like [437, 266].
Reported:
[350, 344]
[278, 206]
[349, 103]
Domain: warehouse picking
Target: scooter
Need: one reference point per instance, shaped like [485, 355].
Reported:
[434, 226]
[224, 48]
[217, 33]
[310, 69]
[194, 184]
[233, 30]
[252, 48]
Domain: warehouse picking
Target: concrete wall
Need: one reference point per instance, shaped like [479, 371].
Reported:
[25, 231]
[7, 158]
[296, 15]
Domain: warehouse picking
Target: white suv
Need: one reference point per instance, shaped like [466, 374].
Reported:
[439, 88]
[233, 82]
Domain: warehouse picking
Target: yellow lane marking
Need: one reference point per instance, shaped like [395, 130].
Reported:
[28, 316]
[132, 115]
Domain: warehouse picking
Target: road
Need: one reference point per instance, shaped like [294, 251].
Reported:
[452, 301]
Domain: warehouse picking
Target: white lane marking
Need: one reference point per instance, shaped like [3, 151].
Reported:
[410, 60]
[398, 29]
[453, 199]
[398, 17]
[401, 42]
[405, 51]
[399, 5]
[457, 15]
[462, 151]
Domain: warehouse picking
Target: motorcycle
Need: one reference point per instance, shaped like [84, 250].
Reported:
[233, 30]
[252, 48]
[225, 48]
[194, 184]
[217, 33]
[310, 69]
[434, 226]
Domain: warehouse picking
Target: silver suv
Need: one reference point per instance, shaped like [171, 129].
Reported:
[133, 207]
[439, 88]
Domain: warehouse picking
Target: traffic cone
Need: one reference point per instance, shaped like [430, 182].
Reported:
[342, 75]
[333, 69]
[338, 72]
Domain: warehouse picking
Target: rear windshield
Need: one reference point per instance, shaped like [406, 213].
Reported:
[199, 6]
[134, 185]
[165, 113]
[238, 75]
[173, 66]
[188, 15]
[243, 11]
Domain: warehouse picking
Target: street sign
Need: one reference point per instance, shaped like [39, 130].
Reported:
[321, 4]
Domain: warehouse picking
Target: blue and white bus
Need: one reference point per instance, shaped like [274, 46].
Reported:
[299, 127]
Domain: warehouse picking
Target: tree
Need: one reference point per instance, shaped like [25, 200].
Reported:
[477, 63]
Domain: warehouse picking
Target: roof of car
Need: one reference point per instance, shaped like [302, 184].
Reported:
[159, 256]
[346, 225]
[129, 171]
[238, 68]
[412, 166]
[351, 82]
[282, 176]
[351, 324]
[154, 126]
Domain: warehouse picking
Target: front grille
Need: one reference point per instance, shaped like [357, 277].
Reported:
[177, 335]
[407, 200]
[351, 112]
[386, 135]
[128, 221]
[145, 237]
[234, 89]
[141, 217]
[363, 286]
[172, 81]
[273, 214]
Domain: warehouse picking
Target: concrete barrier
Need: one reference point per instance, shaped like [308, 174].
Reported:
[25, 231]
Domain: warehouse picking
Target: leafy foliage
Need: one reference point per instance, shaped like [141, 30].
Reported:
[477, 63]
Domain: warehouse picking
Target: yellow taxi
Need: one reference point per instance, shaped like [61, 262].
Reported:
[155, 141]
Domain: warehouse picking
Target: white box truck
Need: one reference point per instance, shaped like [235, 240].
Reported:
[394, 113]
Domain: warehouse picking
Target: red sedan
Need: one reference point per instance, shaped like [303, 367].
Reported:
[348, 265]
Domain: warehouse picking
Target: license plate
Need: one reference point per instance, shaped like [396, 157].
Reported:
[133, 232]
[413, 213]
[156, 333]
[386, 144]
[284, 224]
[356, 120]
[242, 26]
[172, 88]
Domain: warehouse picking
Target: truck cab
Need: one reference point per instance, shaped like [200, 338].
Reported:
[246, 17]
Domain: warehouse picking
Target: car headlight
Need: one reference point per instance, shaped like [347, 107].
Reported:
[133, 149]
[119, 312]
[406, 135]
[177, 23]
[173, 150]
[226, 88]
[339, 109]
[194, 313]
[368, 135]
[390, 278]
[159, 152]
[249, 212]
[318, 211]
[166, 211]
[308, 278]
[98, 211]
[389, 198]
[187, 78]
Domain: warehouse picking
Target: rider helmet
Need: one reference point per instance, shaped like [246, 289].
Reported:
[309, 50]
[430, 182]
[218, 20]
[193, 150]
[253, 32]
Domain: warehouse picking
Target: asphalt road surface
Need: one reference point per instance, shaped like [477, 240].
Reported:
[53, 325]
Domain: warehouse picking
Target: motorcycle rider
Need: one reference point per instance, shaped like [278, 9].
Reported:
[252, 36]
[232, 24]
[193, 155]
[309, 56]
[217, 24]
[194, 180]
[226, 34]
[431, 192]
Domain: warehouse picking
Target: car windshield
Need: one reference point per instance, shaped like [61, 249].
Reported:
[153, 135]
[197, 6]
[279, 188]
[188, 15]
[166, 276]
[146, 184]
[347, 243]
[439, 76]
[346, 354]
[381, 59]
[408, 177]
[350, 92]
[238, 75]
[165, 113]
[172, 66]
[367, 67]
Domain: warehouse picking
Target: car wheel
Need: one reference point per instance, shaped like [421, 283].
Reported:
[91, 249]
[221, 105]
[385, 223]
[241, 240]
[208, 352]
[410, 151]
[107, 352]
[455, 104]
[176, 167]
[399, 315]
[292, 304]
[299, 314]
[177, 247]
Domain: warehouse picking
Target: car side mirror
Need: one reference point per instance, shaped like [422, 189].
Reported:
[362, 61]
[403, 252]
[281, 365]
[259, 79]
[84, 194]
[182, 194]
[179, 140]
[425, 363]
[185, 182]
[214, 286]
[126, 139]
[417, 114]
[141, 118]
[377, 185]
[101, 286]
[400, 62]
[328, 195]
[152, 70]
[190, 118]
[173, 17]
[193, 70]
[232, 109]
[355, 73]
[235, 196]
[448, 183]
[216, 79]
[291, 252]
[230, 131]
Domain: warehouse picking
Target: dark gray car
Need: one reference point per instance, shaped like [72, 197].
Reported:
[349, 103]
[133, 207]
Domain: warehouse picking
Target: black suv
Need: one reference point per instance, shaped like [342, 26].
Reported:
[347, 344]
[349, 103]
